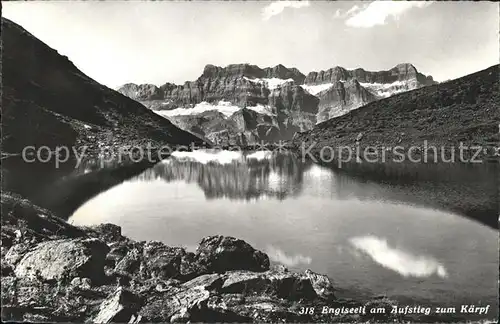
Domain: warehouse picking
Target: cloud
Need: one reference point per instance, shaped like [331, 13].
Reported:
[277, 7]
[402, 262]
[377, 12]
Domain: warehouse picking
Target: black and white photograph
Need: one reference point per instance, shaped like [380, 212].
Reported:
[250, 161]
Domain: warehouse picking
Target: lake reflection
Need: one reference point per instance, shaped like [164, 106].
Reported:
[370, 238]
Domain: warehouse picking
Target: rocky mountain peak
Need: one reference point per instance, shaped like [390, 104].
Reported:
[282, 72]
[252, 71]
[406, 67]
[281, 100]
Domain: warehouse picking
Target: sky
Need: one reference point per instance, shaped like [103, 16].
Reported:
[117, 42]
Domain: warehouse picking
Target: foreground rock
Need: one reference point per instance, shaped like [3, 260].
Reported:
[52, 271]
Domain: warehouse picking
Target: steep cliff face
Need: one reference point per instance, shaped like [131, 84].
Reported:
[292, 101]
[401, 72]
[243, 127]
[294, 107]
[48, 101]
[240, 84]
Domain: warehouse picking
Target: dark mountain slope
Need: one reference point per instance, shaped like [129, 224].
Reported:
[48, 101]
[462, 110]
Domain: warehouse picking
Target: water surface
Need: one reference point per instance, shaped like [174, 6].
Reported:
[370, 238]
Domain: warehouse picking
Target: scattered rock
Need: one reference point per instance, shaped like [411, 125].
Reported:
[119, 307]
[321, 284]
[81, 283]
[288, 285]
[177, 303]
[162, 261]
[208, 281]
[254, 308]
[108, 232]
[182, 316]
[16, 252]
[24, 221]
[130, 263]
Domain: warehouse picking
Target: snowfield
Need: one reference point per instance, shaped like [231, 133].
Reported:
[317, 88]
[224, 107]
[385, 90]
[262, 109]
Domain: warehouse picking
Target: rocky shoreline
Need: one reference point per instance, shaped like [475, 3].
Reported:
[53, 271]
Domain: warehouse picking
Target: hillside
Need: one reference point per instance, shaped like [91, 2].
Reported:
[48, 101]
[462, 110]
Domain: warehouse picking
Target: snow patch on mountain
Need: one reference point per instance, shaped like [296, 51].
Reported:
[270, 83]
[225, 107]
[385, 90]
[317, 88]
[262, 109]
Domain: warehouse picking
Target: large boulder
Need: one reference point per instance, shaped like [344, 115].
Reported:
[22, 221]
[109, 233]
[224, 253]
[255, 308]
[154, 260]
[163, 261]
[189, 303]
[16, 253]
[178, 302]
[63, 259]
[118, 308]
[128, 264]
[281, 284]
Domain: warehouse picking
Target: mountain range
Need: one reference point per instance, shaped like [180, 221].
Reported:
[243, 103]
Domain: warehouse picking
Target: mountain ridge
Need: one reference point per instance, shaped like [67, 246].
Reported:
[297, 101]
[444, 114]
[283, 72]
